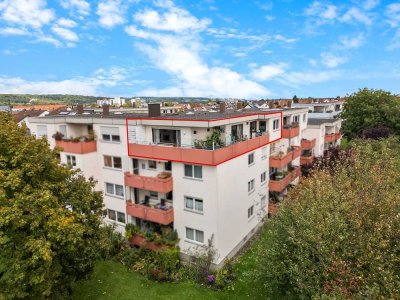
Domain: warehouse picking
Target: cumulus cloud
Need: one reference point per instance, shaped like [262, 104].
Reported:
[68, 23]
[65, 34]
[331, 61]
[356, 15]
[295, 79]
[77, 7]
[171, 43]
[269, 71]
[111, 13]
[392, 13]
[79, 86]
[322, 11]
[348, 42]
[370, 4]
[27, 13]
[13, 31]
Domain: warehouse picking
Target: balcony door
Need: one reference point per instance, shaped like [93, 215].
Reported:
[166, 136]
[253, 128]
[237, 132]
[135, 165]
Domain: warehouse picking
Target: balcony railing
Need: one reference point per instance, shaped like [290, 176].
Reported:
[290, 131]
[159, 184]
[77, 147]
[308, 144]
[278, 161]
[280, 185]
[306, 160]
[332, 137]
[152, 214]
[189, 154]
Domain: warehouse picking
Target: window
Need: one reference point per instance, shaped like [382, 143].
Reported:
[193, 204]
[115, 138]
[304, 117]
[264, 153]
[250, 212]
[251, 159]
[263, 202]
[152, 164]
[112, 162]
[41, 130]
[110, 134]
[153, 194]
[71, 160]
[111, 214]
[195, 235]
[296, 119]
[275, 124]
[121, 217]
[263, 176]
[194, 171]
[250, 186]
[114, 189]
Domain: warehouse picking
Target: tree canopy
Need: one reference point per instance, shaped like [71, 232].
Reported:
[368, 109]
[338, 234]
[49, 219]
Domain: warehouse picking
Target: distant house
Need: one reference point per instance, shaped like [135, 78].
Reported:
[5, 108]
[21, 117]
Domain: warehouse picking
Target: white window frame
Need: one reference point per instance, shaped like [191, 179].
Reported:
[196, 234]
[193, 167]
[250, 212]
[251, 186]
[251, 159]
[275, 124]
[112, 161]
[152, 161]
[114, 193]
[264, 153]
[263, 177]
[71, 160]
[296, 119]
[195, 208]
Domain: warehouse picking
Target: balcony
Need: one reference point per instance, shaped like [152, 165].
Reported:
[162, 183]
[308, 144]
[280, 185]
[279, 161]
[332, 137]
[306, 160]
[197, 156]
[77, 147]
[152, 214]
[290, 131]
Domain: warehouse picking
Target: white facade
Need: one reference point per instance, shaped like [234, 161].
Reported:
[323, 110]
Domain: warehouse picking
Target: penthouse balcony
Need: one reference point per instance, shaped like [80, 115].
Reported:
[308, 144]
[281, 160]
[202, 156]
[290, 131]
[158, 214]
[306, 159]
[77, 146]
[162, 183]
[332, 137]
[279, 185]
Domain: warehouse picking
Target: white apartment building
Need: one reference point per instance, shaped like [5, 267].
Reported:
[166, 171]
[322, 110]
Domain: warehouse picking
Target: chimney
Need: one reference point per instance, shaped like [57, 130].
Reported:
[222, 107]
[106, 110]
[79, 109]
[289, 103]
[239, 105]
[154, 110]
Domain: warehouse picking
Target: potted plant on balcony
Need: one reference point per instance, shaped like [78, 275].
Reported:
[279, 175]
[131, 230]
[58, 136]
[91, 135]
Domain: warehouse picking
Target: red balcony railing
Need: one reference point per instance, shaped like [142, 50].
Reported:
[155, 184]
[280, 185]
[308, 144]
[290, 132]
[277, 161]
[151, 214]
[306, 160]
[197, 156]
[332, 137]
[80, 147]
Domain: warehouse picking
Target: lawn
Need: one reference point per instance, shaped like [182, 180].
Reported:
[112, 280]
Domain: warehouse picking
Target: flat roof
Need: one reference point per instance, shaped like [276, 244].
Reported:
[315, 121]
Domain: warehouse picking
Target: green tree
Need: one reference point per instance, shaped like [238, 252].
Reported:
[368, 109]
[49, 219]
[338, 234]
[295, 99]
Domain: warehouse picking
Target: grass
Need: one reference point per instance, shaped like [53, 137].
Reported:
[112, 280]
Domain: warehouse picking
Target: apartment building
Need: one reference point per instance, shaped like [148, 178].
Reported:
[206, 175]
[322, 110]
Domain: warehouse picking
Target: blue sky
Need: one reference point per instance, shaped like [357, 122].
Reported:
[212, 48]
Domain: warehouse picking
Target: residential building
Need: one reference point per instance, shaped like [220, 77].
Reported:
[204, 174]
[322, 110]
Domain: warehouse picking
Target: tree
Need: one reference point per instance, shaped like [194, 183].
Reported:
[49, 219]
[368, 109]
[295, 99]
[337, 236]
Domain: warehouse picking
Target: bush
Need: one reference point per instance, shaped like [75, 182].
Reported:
[338, 234]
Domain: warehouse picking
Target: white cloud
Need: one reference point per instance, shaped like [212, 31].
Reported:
[26, 13]
[331, 61]
[295, 79]
[13, 31]
[356, 15]
[111, 13]
[370, 4]
[68, 23]
[79, 86]
[79, 7]
[392, 13]
[178, 53]
[48, 39]
[174, 19]
[240, 54]
[267, 72]
[65, 34]
[395, 42]
[330, 12]
[347, 42]
[322, 11]
[279, 37]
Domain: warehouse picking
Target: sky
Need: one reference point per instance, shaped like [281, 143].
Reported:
[205, 48]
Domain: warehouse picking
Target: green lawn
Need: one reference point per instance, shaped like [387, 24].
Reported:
[112, 280]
